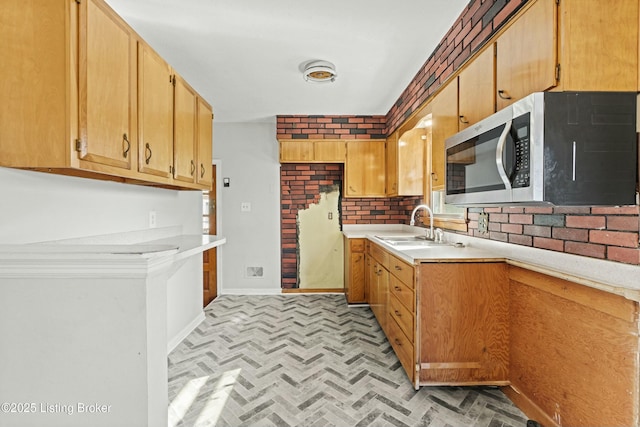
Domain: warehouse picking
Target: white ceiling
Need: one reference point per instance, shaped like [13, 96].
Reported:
[244, 56]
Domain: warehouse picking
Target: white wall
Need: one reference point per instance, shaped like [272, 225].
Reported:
[36, 206]
[248, 153]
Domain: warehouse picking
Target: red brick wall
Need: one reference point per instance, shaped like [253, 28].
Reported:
[598, 232]
[300, 186]
[331, 127]
[475, 25]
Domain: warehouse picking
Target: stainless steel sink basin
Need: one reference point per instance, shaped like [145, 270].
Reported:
[411, 242]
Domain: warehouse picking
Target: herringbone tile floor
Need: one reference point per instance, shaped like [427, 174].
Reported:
[309, 360]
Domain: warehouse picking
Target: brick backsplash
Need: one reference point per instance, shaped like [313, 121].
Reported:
[609, 233]
[301, 185]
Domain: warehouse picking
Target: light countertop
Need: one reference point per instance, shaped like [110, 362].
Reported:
[614, 277]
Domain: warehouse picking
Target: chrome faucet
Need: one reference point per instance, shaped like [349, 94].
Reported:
[428, 209]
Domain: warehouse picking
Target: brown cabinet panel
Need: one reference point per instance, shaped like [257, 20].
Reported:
[155, 113]
[403, 293]
[599, 45]
[364, 174]
[184, 140]
[476, 86]
[527, 54]
[571, 346]
[354, 270]
[464, 330]
[445, 124]
[204, 144]
[106, 87]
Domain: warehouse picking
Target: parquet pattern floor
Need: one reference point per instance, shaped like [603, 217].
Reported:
[309, 360]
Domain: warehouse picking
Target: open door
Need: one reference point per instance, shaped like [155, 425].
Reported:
[209, 258]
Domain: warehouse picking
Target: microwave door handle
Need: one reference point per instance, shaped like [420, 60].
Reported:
[499, 154]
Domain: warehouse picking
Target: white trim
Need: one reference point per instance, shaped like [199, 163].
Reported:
[180, 336]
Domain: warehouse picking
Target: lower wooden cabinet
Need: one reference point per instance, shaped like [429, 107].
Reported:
[354, 270]
[463, 323]
[446, 321]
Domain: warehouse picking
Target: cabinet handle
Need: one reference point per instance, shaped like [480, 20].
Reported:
[434, 176]
[397, 341]
[463, 120]
[193, 167]
[398, 268]
[501, 94]
[202, 171]
[171, 169]
[398, 313]
[149, 153]
[397, 288]
[126, 150]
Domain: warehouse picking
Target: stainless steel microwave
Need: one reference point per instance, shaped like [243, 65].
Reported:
[556, 148]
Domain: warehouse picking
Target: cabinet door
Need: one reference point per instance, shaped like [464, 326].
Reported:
[106, 87]
[527, 54]
[445, 123]
[205, 144]
[464, 323]
[364, 169]
[155, 113]
[476, 87]
[411, 162]
[296, 151]
[392, 164]
[184, 137]
[599, 42]
[330, 151]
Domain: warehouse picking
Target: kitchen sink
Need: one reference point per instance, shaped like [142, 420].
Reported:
[411, 242]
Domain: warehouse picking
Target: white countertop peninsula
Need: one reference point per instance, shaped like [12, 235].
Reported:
[84, 322]
[614, 277]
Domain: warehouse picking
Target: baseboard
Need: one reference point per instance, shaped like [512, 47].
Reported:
[250, 291]
[176, 340]
[313, 291]
[526, 405]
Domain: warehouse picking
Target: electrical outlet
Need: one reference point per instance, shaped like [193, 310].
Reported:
[245, 207]
[152, 219]
[483, 223]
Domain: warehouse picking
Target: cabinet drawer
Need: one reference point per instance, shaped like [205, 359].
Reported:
[404, 293]
[403, 316]
[401, 270]
[357, 245]
[402, 347]
[380, 255]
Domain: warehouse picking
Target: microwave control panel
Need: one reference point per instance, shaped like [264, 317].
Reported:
[521, 173]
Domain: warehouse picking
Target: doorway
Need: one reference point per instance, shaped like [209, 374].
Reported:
[209, 258]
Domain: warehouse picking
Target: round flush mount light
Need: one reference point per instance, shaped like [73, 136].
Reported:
[320, 72]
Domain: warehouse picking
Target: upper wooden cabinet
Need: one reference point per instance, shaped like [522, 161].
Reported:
[193, 129]
[598, 45]
[364, 174]
[392, 164]
[476, 89]
[107, 95]
[312, 151]
[408, 163]
[526, 58]
[185, 128]
[204, 144]
[86, 96]
[155, 113]
[445, 119]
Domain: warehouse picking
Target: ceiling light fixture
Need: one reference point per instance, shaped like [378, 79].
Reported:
[320, 72]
